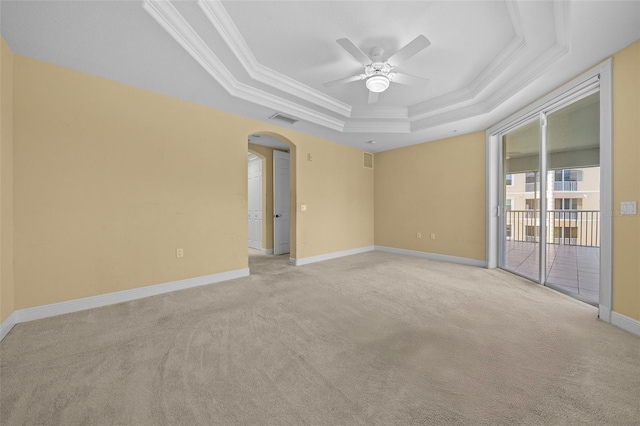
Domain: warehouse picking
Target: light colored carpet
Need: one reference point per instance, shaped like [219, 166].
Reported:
[370, 339]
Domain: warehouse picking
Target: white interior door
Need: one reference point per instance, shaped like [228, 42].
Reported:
[280, 202]
[254, 214]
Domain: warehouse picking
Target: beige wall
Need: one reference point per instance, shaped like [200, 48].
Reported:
[436, 187]
[626, 180]
[338, 192]
[111, 179]
[6, 181]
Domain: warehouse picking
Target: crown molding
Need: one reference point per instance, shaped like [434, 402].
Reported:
[377, 127]
[220, 19]
[450, 116]
[382, 120]
[174, 23]
[531, 72]
[395, 113]
[496, 67]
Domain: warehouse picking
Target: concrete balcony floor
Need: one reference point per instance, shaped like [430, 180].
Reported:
[572, 269]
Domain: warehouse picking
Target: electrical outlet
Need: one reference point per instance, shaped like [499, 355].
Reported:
[433, 236]
[180, 252]
[419, 235]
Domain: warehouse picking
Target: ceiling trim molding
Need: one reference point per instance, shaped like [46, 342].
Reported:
[413, 120]
[488, 75]
[531, 71]
[174, 23]
[377, 127]
[450, 116]
[220, 19]
[397, 113]
[534, 69]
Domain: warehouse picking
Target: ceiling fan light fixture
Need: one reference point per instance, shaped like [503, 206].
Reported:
[377, 83]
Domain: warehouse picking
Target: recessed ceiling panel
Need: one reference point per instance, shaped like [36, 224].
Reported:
[298, 39]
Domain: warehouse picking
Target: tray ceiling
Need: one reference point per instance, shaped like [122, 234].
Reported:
[255, 58]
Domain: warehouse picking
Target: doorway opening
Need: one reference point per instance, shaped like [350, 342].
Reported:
[271, 197]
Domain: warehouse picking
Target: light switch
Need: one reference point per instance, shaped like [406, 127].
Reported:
[303, 207]
[628, 208]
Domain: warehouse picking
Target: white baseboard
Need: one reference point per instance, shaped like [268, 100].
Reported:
[434, 256]
[625, 323]
[328, 256]
[7, 325]
[604, 313]
[267, 251]
[39, 312]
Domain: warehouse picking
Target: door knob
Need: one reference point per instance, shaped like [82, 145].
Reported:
[278, 215]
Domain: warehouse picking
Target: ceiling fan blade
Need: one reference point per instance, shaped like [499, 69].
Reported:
[354, 51]
[407, 79]
[373, 97]
[344, 80]
[414, 46]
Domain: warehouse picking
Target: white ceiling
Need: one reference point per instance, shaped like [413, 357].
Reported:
[486, 59]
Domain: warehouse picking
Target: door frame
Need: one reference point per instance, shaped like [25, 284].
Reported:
[602, 76]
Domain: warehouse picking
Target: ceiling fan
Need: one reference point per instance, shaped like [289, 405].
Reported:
[378, 72]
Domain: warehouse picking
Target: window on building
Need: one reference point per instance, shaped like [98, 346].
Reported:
[566, 235]
[532, 204]
[567, 204]
[567, 180]
[509, 180]
[508, 206]
[532, 233]
[532, 181]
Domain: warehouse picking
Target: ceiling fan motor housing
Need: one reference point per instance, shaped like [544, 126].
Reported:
[377, 68]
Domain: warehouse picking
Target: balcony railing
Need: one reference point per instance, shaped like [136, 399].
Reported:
[566, 227]
[565, 186]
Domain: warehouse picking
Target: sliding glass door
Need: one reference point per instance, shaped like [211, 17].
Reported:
[521, 200]
[550, 196]
[573, 206]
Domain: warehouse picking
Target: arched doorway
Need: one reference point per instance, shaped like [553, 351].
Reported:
[277, 155]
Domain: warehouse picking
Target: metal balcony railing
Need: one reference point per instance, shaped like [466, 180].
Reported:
[565, 186]
[561, 186]
[566, 227]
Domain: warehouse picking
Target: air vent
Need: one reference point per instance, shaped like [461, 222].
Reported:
[287, 119]
[368, 160]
